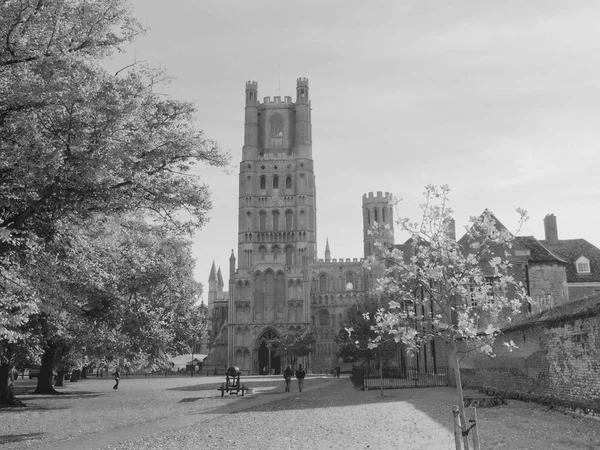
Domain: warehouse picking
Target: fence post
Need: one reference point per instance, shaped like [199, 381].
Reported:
[457, 428]
[475, 430]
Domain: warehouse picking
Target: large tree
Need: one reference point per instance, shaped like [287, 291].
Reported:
[77, 143]
[296, 344]
[466, 288]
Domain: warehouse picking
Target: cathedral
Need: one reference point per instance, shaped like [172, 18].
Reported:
[277, 283]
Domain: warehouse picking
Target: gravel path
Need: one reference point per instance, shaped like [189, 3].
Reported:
[334, 415]
[188, 413]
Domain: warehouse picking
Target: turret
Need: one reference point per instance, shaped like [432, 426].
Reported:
[220, 283]
[327, 252]
[377, 209]
[250, 150]
[212, 286]
[231, 265]
[303, 126]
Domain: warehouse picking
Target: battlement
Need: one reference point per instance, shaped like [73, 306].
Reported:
[341, 260]
[302, 82]
[251, 86]
[277, 99]
[380, 197]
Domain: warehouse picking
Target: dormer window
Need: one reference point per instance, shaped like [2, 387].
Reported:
[582, 265]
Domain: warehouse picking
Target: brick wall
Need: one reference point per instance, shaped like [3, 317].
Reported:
[557, 362]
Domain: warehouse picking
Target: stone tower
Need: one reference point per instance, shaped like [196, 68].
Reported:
[377, 209]
[269, 289]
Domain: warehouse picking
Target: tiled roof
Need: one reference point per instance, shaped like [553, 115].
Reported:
[465, 239]
[538, 253]
[584, 307]
[571, 250]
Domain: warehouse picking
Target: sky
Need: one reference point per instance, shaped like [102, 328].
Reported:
[499, 100]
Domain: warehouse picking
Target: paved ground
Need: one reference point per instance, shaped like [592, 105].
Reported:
[188, 413]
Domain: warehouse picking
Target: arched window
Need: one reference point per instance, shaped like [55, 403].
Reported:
[275, 220]
[302, 220]
[375, 215]
[323, 318]
[322, 283]
[289, 220]
[288, 182]
[263, 221]
[276, 252]
[368, 216]
[263, 182]
[275, 182]
[262, 250]
[289, 252]
[349, 282]
[276, 131]
[383, 215]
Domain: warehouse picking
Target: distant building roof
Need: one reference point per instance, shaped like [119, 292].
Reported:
[578, 309]
[538, 252]
[571, 250]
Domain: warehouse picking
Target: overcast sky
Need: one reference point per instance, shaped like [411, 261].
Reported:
[498, 99]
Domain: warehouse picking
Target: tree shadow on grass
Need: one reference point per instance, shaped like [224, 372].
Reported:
[12, 438]
[197, 387]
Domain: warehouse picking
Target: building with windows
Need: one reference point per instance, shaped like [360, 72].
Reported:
[276, 282]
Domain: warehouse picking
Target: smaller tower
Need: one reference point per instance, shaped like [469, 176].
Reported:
[212, 286]
[303, 126]
[220, 283]
[377, 209]
[327, 252]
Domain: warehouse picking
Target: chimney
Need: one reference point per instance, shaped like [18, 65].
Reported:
[551, 229]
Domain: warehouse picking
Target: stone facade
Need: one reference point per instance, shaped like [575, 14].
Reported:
[277, 284]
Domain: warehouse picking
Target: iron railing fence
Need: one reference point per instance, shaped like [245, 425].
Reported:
[395, 377]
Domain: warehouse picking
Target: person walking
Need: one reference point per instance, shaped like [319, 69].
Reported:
[287, 375]
[300, 374]
[117, 378]
[337, 371]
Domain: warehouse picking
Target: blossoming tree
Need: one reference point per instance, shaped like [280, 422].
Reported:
[456, 292]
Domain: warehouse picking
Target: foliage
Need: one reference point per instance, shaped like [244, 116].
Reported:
[355, 341]
[296, 344]
[78, 145]
[464, 287]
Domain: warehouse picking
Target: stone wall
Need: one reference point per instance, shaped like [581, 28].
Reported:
[557, 361]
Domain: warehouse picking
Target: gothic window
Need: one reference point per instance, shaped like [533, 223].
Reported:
[349, 282]
[289, 220]
[288, 255]
[368, 217]
[288, 182]
[302, 220]
[248, 220]
[262, 250]
[275, 182]
[276, 252]
[375, 215]
[323, 318]
[263, 221]
[276, 131]
[263, 182]
[322, 283]
[383, 215]
[275, 220]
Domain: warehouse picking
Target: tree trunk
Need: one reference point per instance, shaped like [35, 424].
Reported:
[455, 365]
[85, 369]
[44, 385]
[7, 393]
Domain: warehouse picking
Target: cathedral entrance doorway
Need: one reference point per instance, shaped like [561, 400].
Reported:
[268, 363]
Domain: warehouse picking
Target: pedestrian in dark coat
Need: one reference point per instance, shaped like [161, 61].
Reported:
[287, 375]
[117, 378]
[300, 374]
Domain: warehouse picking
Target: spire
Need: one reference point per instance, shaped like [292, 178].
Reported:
[213, 273]
[220, 277]
[327, 251]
